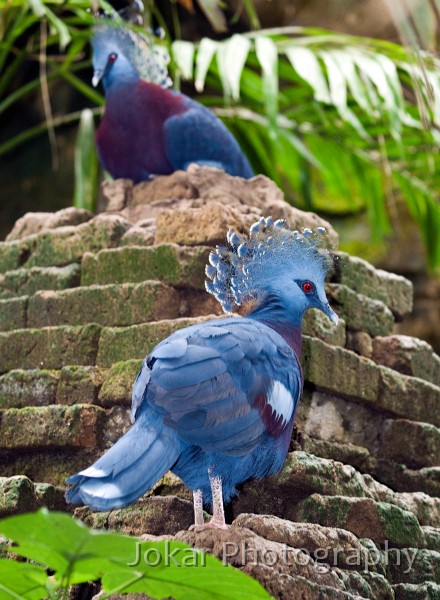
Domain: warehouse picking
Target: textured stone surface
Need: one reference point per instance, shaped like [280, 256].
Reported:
[285, 571]
[32, 223]
[79, 384]
[408, 397]
[316, 324]
[359, 311]
[330, 418]
[13, 313]
[394, 291]
[51, 427]
[340, 544]
[19, 494]
[166, 262]
[407, 355]
[64, 245]
[339, 370]
[112, 304]
[364, 431]
[126, 343]
[423, 591]
[153, 515]
[364, 517]
[12, 255]
[204, 225]
[424, 567]
[302, 474]
[49, 348]
[360, 342]
[410, 443]
[28, 281]
[20, 388]
[345, 373]
[118, 383]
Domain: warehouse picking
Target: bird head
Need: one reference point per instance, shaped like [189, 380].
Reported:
[121, 55]
[274, 268]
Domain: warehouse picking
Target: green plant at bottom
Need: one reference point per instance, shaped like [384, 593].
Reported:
[75, 554]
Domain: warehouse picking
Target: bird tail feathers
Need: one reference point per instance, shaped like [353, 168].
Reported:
[129, 469]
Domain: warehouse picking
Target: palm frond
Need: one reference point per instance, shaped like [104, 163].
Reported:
[332, 118]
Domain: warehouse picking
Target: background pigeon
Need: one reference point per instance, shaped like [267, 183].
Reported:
[148, 129]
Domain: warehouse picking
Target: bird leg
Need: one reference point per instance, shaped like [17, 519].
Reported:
[198, 508]
[218, 517]
[218, 513]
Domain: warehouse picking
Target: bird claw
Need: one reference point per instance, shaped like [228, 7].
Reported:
[210, 525]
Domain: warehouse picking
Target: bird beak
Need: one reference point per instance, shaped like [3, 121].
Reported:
[330, 313]
[97, 76]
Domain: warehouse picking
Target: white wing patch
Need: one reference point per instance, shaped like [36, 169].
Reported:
[281, 401]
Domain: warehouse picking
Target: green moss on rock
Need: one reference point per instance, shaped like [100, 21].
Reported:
[19, 494]
[126, 343]
[49, 348]
[13, 313]
[339, 370]
[27, 282]
[79, 384]
[114, 304]
[118, 383]
[52, 426]
[360, 312]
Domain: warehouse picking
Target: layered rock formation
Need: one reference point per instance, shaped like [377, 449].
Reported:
[355, 513]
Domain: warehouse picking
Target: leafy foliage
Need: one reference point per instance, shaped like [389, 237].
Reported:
[76, 554]
[341, 123]
[331, 118]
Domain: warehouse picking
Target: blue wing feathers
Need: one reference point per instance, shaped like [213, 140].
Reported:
[196, 395]
[130, 468]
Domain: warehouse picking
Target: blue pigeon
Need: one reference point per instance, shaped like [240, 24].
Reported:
[215, 402]
[147, 129]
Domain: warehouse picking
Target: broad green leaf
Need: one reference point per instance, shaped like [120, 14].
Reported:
[76, 553]
[306, 64]
[206, 51]
[170, 569]
[22, 581]
[183, 54]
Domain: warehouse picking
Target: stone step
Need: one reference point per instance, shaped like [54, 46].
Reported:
[135, 342]
[360, 312]
[49, 427]
[112, 305]
[170, 263]
[379, 521]
[19, 494]
[49, 347]
[26, 282]
[60, 346]
[344, 373]
[39, 387]
[393, 290]
[408, 355]
[64, 245]
[416, 568]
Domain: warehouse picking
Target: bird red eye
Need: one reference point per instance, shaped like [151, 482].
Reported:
[112, 57]
[307, 287]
